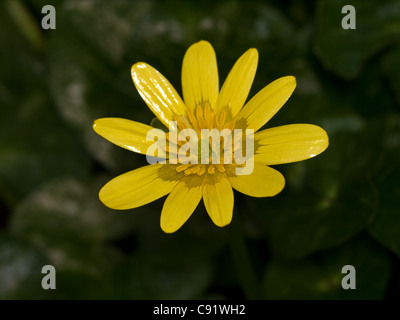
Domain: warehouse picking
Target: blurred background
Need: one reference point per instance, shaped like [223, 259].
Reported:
[340, 208]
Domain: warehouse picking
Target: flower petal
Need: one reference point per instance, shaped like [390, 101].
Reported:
[263, 106]
[200, 75]
[237, 85]
[218, 200]
[179, 206]
[138, 187]
[290, 143]
[125, 133]
[159, 95]
[263, 182]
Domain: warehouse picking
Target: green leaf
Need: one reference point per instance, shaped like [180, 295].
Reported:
[142, 277]
[303, 225]
[345, 51]
[86, 241]
[391, 68]
[328, 199]
[320, 276]
[36, 144]
[20, 270]
[90, 72]
[67, 221]
[170, 266]
[385, 177]
[385, 227]
[25, 22]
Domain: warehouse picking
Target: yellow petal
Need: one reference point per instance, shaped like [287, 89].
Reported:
[200, 75]
[179, 206]
[237, 85]
[138, 187]
[290, 143]
[125, 133]
[218, 200]
[158, 93]
[263, 106]
[263, 182]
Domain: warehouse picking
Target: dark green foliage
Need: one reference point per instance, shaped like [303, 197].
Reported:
[340, 208]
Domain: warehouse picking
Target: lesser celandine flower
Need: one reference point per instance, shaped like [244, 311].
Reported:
[204, 106]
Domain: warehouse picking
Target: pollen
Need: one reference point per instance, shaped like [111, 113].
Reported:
[204, 117]
[200, 169]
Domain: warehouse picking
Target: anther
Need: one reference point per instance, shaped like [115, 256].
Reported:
[211, 170]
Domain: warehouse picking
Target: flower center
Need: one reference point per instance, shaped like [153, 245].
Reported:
[213, 139]
[214, 145]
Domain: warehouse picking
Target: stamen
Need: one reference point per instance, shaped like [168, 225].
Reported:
[196, 169]
[188, 172]
[211, 170]
[201, 171]
[182, 167]
[208, 115]
[183, 123]
[222, 118]
[192, 119]
[230, 125]
[200, 118]
[204, 117]
[180, 123]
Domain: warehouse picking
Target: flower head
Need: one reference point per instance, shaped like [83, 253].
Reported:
[213, 168]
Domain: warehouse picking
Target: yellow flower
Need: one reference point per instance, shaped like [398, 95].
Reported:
[204, 106]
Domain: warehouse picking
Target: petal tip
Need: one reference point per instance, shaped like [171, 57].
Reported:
[203, 43]
[138, 65]
[291, 80]
[96, 125]
[283, 184]
[280, 186]
[326, 140]
[323, 139]
[253, 52]
[104, 200]
[168, 228]
[222, 224]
